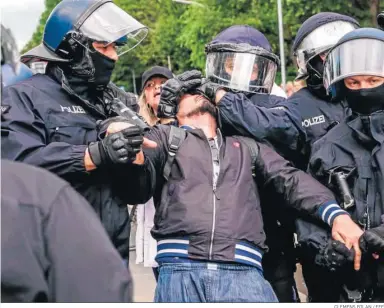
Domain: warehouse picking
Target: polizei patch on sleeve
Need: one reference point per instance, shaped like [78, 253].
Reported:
[5, 109]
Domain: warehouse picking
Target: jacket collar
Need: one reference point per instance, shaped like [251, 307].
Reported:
[369, 130]
[57, 74]
[199, 132]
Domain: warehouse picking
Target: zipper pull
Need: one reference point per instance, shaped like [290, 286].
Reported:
[364, 223]
[215, 193]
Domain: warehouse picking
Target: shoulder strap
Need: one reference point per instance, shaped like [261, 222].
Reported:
[253, 149]
[175, 139]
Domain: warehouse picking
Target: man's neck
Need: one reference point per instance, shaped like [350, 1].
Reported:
[204, 122]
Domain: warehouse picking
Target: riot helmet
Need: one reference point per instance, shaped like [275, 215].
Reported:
[73, 23]
[240, 59]
[72, 31]
[315, 37]
[359, 55]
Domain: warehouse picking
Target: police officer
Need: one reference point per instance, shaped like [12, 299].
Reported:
[241, 69]
[350, 160]
[50, 119]
[12, 70]
[313, 40]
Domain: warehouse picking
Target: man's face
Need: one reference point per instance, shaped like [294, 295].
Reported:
[108, 51]
[229, 65]
[363, 82]
[193, 105]
[152, 90]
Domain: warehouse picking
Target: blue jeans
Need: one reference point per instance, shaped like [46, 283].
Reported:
[212, 282]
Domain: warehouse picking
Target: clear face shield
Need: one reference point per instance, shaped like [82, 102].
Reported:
[354, 58]
[249, 72]
[319, 41]
[110, 24]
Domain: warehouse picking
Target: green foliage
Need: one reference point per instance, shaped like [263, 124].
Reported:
[179, 32]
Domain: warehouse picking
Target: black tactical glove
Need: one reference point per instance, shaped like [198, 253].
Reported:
[102, 125]
[209, 90]
[372, 240]
[174, 89]
[334, 255]
[117, 148]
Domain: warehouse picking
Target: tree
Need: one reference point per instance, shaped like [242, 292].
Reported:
[179, 32]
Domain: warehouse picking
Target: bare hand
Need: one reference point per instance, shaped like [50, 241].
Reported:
[347, 232]
[140, 156]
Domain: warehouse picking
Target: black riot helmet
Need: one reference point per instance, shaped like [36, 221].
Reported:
[315, 37]
[358, 54]
[240, 59]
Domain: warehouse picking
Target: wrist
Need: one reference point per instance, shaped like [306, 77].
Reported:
[219, 95]
[88, 163]
[330, 211]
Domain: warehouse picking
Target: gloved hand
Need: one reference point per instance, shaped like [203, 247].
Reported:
[102, 125]
[372, 240]
[174, 89]
[117, 148]
[209, 90]
[334, 255]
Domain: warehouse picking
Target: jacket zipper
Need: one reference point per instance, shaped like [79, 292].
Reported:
[213, 221]
[214, 197]
[366, 219]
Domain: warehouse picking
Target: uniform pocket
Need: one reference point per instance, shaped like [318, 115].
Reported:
[73, 129]
[72, 134]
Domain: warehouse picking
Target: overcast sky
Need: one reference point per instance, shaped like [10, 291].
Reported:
[22, 17]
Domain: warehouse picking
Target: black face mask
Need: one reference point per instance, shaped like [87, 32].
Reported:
[365, 101]
[103, 67]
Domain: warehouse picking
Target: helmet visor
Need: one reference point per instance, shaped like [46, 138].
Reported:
[110, 24]
[241, 71]
[354, 58]
[321, 39]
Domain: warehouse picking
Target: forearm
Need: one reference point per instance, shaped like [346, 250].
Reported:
[275, 125]
[134, 183]
[298, 189]
[60, 158]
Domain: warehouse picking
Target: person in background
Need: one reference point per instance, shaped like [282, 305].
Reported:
[151, 83]
[146, 246]
[289, 89]
[298, 84]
